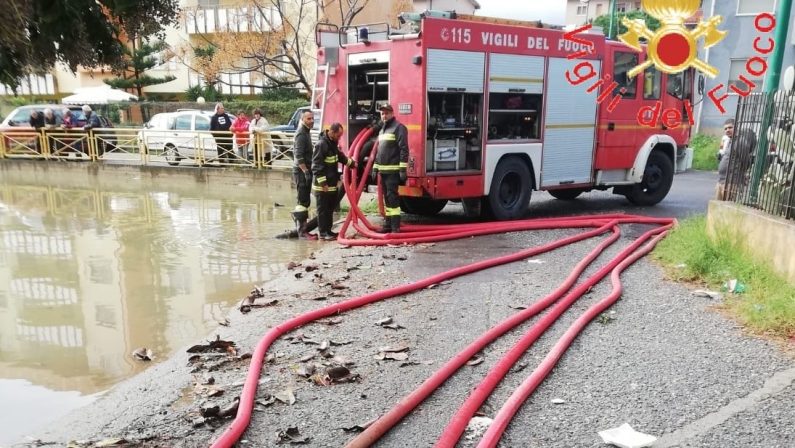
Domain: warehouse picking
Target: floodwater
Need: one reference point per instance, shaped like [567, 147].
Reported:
[87, 275]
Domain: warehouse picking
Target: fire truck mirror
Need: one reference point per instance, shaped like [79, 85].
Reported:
[701, 82]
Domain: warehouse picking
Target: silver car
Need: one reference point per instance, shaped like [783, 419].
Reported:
[179, 135]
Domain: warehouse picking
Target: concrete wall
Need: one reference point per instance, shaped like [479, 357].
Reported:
[767, 237]
[738, 44]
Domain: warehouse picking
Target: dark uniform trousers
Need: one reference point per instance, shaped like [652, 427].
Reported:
[390, 180]
[303, 184]
[326, 202]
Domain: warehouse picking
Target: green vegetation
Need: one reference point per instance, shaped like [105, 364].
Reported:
[368, 208]
[136, 60]
[705, 150]
[604, 21]
[768, 304]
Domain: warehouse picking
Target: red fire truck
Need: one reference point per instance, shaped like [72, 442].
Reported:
[492, 116]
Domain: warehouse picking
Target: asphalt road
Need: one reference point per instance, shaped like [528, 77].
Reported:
[662, 360]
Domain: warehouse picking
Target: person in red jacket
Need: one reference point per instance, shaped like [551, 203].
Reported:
[240, 130]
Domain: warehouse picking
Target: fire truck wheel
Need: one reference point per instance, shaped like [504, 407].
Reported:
[568, 194]
[509, 196]
[657, 180]
[422, 206]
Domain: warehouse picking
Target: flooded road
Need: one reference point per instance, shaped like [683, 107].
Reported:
[87, 275]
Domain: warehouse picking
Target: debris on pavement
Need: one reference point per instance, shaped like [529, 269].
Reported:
[708, 294]
[286, 396]
[216, 346]
[143, 354]
[734, 286]
[558, 401]
[477, 359]
[626, 437]
[231, 409]
[477, 427]
[359, 427]
[293, 436]
[536, 261]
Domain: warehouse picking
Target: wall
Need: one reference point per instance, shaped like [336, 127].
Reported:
[596, 8]
[738, 44]
[768, 238]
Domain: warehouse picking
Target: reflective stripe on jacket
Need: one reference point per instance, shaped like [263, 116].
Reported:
[393, 147]
[325, 160]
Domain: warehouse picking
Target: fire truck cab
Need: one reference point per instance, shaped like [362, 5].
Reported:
[495, 110]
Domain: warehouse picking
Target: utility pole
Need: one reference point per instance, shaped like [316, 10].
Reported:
[772, 80]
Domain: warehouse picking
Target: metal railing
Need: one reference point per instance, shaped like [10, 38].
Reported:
[767, 187]
[139, 146]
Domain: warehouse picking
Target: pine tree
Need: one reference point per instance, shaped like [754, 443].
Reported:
[139, 58]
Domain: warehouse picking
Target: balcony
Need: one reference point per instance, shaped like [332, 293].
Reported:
[231, 20]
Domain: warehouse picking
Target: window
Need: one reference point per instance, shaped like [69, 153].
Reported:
[183, 123]
[598, 9]
[680, 85]
[202, 123]
[514, 116]
[582, 10]
[652, 81]
[621, 7]
[208, 3]
[736, 69]
[637, 6]
[624, 62]
[755, 6]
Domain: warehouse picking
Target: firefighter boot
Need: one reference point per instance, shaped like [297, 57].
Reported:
[396, 224]
[300, 223]
[387, 228]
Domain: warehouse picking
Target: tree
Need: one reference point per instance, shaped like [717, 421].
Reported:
[343, 12]
[136, 61]
[604, 21]
[278, 46]
[37, 34]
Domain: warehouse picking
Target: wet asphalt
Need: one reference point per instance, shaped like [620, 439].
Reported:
[660, 359]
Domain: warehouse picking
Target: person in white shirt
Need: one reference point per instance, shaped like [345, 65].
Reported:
[259, 134]
[726, 140]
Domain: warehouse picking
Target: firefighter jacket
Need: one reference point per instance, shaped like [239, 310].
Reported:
[393, 147]
[325, 161]
[302, 148]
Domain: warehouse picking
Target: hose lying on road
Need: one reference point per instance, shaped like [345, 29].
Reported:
[414, 234]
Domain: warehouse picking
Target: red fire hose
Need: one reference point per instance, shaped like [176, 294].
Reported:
[413, 234]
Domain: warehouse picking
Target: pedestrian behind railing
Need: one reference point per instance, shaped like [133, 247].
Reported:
[774, 193]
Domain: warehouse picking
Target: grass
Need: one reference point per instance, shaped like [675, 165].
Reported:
[705, 150]
[368, 208]
[768, 304]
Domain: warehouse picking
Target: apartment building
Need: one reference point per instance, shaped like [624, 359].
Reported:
[202, 21]
[731, 55]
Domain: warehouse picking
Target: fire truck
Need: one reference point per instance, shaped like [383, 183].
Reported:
[492, 114]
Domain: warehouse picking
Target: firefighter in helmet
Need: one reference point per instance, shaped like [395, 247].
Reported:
[391, 163]
[325, 160]
[302, 171]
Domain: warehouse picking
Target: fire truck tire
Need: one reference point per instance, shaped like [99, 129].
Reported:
[568, 194]
[509, 197]
[422, 206]
[657, 179]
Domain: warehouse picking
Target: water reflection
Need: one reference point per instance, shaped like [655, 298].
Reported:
[86, 276]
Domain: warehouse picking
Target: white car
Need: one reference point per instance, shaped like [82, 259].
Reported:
[179, 135]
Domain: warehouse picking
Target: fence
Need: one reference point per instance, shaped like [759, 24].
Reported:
[761, 165]
[152, 147]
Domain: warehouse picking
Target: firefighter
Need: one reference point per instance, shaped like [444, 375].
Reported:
[302, 172]
[391, 163]
[325, 167]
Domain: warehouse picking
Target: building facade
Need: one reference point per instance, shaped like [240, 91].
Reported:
[731, 54]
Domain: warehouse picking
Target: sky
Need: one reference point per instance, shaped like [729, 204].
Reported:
[549, 11]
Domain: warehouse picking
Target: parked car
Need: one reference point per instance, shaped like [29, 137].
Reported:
[19, 120]
[179, 135]
[282, 135]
